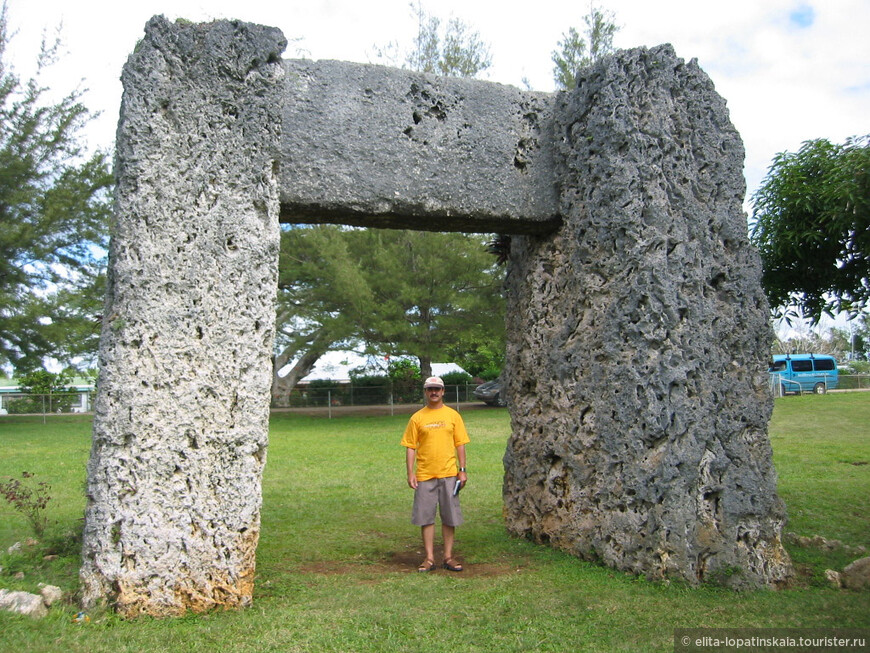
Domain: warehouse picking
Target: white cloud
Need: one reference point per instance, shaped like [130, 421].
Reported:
[784, 82]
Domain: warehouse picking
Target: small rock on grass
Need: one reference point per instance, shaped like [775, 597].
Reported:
[50, 594]
[25, 603]
[856, 575]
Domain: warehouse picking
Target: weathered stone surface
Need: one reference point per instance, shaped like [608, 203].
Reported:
[51, 594]
[24, 603]
[856, 575]
[638, 337]
[378, 146]
[181, 417]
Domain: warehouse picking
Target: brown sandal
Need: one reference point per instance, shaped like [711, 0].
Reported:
[452, 565]
[427, 565]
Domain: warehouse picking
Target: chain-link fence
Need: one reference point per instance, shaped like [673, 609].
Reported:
[820, 384]
[321, 395]
[305, 396]
[854, 382]
[20, 403]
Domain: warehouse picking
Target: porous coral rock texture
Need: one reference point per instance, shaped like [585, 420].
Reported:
[24, 603]
[638, 337]
[181, 417]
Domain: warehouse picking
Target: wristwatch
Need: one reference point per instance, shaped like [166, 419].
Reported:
[462, 469]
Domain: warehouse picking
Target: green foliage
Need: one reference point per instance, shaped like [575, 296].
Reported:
[456, 378]
[577, 51]
[54, 207]
[431, 290]
[812, 228]
[569, 58]
[481, 354]
[405, 379]
[46, 391]
[852, 342]
[371, 389]
[321, 383]
[400, 293]
[812, 343]
[322, 392]
[403, 369]
[454, 50]
[858, 367]
[45, 382]
[322, 299]
[366, 379]
[28, 500]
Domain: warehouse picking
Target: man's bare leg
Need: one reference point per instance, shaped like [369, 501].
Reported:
[449, 535]
[428, 533]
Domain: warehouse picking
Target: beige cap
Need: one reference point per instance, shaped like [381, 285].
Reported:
[433, 381]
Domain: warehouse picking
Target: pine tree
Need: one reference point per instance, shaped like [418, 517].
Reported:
[576, 51]
[54, 207]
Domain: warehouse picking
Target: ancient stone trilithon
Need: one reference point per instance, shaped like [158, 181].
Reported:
[637, 326]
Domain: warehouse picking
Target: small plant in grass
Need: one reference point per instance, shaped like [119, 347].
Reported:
[29, 501]
[723, 575]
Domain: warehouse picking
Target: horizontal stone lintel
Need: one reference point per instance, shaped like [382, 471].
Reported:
[377, 146]
[312, 214]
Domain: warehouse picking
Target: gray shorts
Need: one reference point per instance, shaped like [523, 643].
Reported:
[436, 492]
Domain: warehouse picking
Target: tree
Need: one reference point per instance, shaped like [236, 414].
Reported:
[455, 51]
[572, 54]
[812, 228]
[430, 290]
[390, 292]
[322, 300]
[54, 208]
[858, 338]
[385, 292]
[808, 342]
[480, 354]
[44, 390]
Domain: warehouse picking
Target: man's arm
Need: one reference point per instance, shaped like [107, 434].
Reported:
[410, 458]
[460, 457]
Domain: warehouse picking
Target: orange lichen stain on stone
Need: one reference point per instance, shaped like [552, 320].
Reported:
[225, 589]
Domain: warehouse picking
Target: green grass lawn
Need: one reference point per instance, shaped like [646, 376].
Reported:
[337, 551]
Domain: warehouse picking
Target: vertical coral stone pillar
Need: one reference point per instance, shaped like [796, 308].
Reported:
[181, 417]
[638, 340]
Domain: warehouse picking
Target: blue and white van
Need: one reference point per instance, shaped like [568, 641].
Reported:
[803, 373]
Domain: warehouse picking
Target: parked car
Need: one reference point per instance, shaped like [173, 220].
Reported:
[491, 393]
[804, 373]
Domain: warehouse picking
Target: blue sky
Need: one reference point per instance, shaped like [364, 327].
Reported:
[803, 16]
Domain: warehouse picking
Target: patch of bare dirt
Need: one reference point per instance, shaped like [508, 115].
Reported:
[407, 562]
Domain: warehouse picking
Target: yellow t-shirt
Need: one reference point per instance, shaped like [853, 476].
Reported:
[435, 434]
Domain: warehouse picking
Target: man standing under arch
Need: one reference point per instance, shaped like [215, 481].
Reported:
[435, 440]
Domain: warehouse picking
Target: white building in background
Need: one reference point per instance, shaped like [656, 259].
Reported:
[81, 402]
[337, 365]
